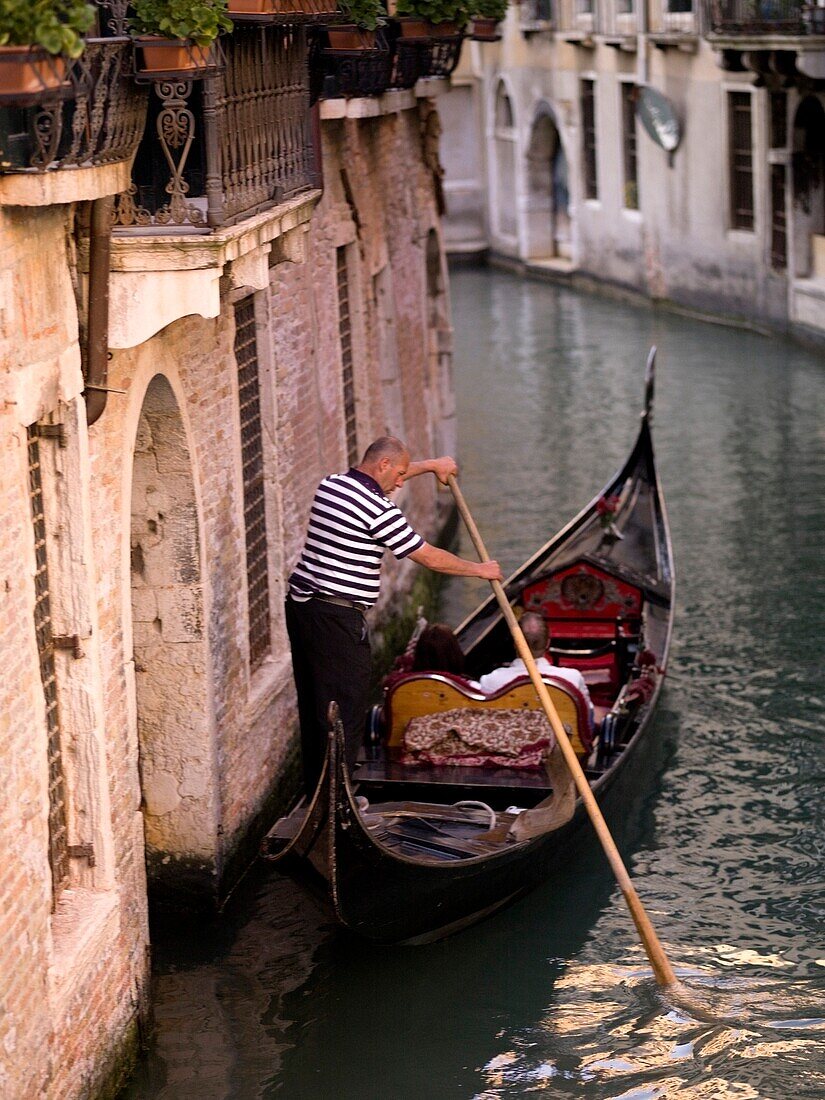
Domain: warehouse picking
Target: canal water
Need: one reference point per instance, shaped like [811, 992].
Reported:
[723, 834]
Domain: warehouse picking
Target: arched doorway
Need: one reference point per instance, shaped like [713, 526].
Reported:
[504, 133]
[547, 223]
[176, 749]
[809, 188]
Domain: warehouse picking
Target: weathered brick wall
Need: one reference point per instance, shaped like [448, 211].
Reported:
[72, 979]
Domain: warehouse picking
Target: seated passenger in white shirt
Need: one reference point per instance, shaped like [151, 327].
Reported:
[536, 635]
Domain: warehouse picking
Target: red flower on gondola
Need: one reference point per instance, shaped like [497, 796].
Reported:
[607, 509]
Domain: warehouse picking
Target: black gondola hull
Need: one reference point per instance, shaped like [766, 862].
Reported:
[391, 892]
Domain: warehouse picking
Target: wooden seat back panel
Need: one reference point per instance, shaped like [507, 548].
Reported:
[421, 694]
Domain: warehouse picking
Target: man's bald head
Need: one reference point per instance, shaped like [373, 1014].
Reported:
[386, 446]
[534, 629]
[386, 460]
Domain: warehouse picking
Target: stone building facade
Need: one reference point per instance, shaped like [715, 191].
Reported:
[152, 511]
[560, 176]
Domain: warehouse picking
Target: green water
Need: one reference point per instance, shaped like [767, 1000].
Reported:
[724, 836]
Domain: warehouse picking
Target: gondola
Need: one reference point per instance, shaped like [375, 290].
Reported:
[412, 848]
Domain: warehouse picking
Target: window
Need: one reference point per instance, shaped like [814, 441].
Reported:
[685, 6]
[504, 109]
[631, 178]
[779, 119]
[588, 107]
[536, 11]
[741, 160]
[252, 463]
[347, 366]
[779, 236]
[58, 826]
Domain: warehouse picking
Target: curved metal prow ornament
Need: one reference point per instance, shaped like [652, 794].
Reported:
[650, 384]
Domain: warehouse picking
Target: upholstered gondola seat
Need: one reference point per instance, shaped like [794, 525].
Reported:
[420, 693]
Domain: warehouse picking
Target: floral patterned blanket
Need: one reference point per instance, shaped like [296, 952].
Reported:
[468, 738]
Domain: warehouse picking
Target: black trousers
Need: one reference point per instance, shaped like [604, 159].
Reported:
[330, 660]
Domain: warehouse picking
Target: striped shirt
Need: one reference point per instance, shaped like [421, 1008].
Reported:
[351, 524]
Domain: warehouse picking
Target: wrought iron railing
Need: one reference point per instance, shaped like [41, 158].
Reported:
[394, 62]
[95, 115]
[762, 17]
[222, 148]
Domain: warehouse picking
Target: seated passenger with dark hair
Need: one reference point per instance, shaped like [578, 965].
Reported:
[437, 650]
[537, 637]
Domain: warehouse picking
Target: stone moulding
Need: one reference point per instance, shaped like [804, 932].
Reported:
[67, 185]
[391, 102]
[156, 280]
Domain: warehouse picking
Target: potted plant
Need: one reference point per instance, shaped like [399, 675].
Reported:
[487, 14]
[362, 20]
[176, 35]
[36, 38]
[443, 17]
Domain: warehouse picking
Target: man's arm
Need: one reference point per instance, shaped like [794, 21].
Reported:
[441, 467]
[442, 561]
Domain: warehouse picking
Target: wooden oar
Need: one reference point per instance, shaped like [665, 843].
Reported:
[662, 969]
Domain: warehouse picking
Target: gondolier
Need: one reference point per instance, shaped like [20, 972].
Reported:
[337, 579]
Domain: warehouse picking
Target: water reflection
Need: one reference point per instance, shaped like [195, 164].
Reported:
[725, 832]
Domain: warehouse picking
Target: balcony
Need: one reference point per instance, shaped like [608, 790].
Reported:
[224, 148]
[777, 39]
[765, 19]
[223, 185]
[395, 63]
[93, 119]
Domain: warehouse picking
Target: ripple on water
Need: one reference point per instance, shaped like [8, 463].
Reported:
[612, 1034]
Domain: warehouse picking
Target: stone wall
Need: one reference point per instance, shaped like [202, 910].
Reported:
[82, 957]
[176, 746]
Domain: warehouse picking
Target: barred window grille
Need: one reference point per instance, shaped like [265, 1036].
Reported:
[58, 827]
[345, 336]
[252, 459]
[588, 106]
[741, 160]
[779, 234]
[631, 176]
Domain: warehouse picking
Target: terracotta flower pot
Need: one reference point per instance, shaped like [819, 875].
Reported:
[28, 69]
[413, 27]
[347, 36]
[250, 7]
[172, 54]
[484, 29]
[442, 30]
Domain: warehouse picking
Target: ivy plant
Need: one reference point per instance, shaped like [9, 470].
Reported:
[56, 25]
[437, 11]
[366, 14]
[201, 21]
[490, 9]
